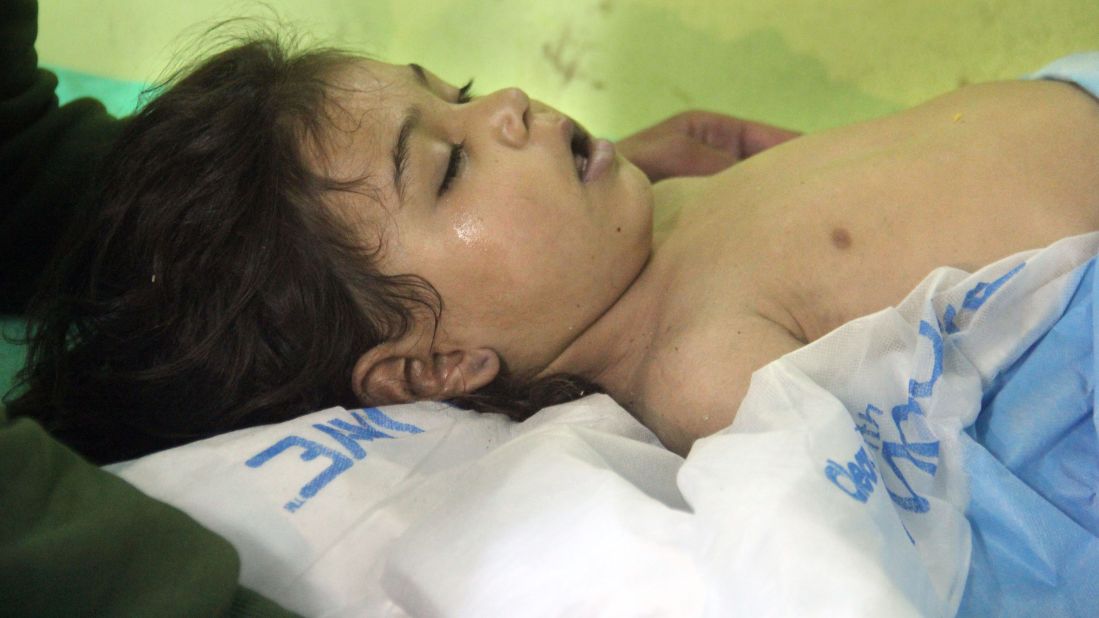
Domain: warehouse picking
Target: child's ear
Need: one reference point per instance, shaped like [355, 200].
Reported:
[389, 373]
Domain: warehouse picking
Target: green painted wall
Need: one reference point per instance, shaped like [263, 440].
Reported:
[619, 64]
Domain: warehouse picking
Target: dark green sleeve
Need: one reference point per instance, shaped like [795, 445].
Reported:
[78, 541]
[75, 540]
[48, 155]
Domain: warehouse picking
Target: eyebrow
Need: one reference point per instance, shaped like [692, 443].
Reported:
[420, 73]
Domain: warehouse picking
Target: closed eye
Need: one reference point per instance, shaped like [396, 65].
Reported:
[457, 151]
[453, 168]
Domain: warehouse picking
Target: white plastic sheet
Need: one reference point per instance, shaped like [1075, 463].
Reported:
[838, 490]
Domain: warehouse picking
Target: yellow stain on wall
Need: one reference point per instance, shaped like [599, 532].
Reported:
[618, 65]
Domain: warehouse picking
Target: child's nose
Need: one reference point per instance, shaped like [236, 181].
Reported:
[510, 115]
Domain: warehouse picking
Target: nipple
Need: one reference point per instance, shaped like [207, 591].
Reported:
[841, 238]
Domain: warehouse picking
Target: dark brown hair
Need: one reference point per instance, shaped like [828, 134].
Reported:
[208, 287]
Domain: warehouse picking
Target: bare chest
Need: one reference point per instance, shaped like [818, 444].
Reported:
[844, 224]
[785, 247]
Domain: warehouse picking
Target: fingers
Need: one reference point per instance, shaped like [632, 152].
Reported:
[698, 159]
[743, 138]
[755, 137]
[698, 143]
[685, 157]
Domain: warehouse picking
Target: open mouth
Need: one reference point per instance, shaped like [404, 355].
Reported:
[580, 144]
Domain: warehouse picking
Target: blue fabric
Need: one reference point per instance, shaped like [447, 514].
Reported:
[121, 98]
[1033, 460]
[1081, 69]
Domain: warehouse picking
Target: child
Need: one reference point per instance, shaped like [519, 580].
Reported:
[282, 232]
[195, 295]
[61, 513]
[538, 255]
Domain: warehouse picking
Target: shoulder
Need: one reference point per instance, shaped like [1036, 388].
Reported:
[1014, 103]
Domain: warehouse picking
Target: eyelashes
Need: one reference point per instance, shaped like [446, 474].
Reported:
[457, 151]
[453, 167]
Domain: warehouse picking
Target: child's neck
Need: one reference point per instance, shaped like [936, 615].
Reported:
[611, 352]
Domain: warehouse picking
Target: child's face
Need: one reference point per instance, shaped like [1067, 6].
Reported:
[524, 253]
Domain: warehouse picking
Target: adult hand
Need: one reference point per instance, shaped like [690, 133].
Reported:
[698, 143]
